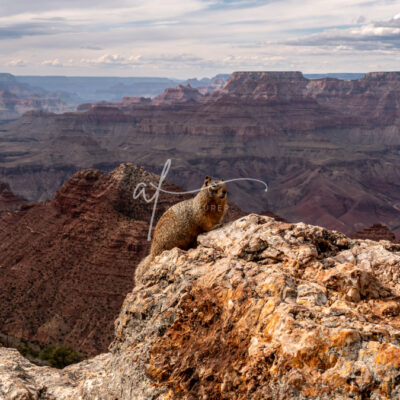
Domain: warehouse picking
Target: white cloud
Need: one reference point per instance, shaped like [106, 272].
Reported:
[53, 63]
[139, 60]
[93, 13]
[17, 63]
[377, 36]
[112, 59]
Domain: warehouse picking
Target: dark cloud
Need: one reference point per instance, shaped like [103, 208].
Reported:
[361, 19]
[231, 4]
[58, 19]
[392, 23]
[379, 35]
[31, 29]
[8, 8]
[91, 47]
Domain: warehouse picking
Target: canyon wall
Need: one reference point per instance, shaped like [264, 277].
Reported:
[328, 148]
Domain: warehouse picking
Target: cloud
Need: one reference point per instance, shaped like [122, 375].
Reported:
[99, 13]
[91, 47]
[19, 30]
[379, 36]
[361, 19]
[187, 61]
[184, 38]
[165, 60]
[177, 58]
[232, 4]
[17, 63]
[258, 60]
[112, 60]
[53, 63]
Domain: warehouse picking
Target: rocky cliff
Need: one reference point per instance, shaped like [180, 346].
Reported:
[67, 264]
[259, 310]
[373, 100]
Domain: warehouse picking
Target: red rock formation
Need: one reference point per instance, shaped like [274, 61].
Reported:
[217, 84]
[276, 217]
[8, 200]
[126, 102]
[372, 100]
[67, 264]
[180, 94]
[375, 232]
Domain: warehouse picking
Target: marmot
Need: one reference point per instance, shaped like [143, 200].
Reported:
[180, 225]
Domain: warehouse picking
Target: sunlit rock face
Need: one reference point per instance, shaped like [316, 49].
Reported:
[259, 310]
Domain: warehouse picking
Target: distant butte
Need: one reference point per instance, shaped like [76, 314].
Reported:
[8, 200]
[179, 94]
[375, 232]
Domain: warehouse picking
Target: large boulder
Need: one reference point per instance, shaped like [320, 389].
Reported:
[259, 310]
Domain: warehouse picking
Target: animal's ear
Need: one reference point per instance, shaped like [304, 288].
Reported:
[207, 181]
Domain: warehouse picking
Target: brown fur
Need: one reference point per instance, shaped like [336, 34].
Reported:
[180, 225]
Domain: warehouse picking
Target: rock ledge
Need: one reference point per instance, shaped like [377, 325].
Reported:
[259, 310]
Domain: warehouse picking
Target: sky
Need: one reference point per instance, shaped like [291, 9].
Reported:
[197, 38]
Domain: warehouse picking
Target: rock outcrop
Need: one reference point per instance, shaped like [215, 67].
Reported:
[8, 200]
[67, 264]
[179, 94]
[375, 232]
[216, 84]
[125, 103]
[259, 310]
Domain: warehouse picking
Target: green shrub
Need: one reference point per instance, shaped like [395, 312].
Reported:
[60, 356]
[27, 351]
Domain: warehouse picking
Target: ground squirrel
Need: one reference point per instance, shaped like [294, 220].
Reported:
[180, 225]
